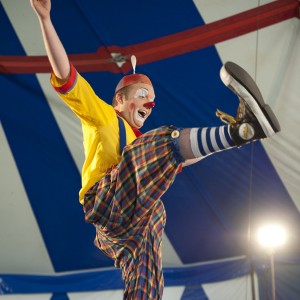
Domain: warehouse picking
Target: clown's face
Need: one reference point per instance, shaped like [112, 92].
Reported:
[137, 106]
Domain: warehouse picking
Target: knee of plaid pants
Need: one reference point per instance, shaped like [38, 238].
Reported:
[149, 165]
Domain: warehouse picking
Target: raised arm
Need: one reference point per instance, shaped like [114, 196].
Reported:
[56, 52]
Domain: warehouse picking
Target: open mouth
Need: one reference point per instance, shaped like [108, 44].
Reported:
[142, 113]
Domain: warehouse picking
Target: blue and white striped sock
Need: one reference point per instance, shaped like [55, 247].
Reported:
[205, 141]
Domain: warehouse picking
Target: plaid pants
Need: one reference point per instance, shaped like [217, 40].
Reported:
[127, 212]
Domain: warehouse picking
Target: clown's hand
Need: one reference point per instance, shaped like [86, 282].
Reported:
[42, 8]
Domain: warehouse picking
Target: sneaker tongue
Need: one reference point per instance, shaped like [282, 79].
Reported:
[246, 131]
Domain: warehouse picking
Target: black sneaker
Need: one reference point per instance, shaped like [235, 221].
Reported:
[255, 119]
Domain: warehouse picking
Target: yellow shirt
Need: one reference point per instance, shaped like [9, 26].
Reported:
[100, 128]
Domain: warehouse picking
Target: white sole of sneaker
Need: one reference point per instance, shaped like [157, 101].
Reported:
[229, 81]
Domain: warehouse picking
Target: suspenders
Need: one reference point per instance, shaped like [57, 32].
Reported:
[122, 134]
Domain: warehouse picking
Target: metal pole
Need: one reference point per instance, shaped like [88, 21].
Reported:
[252, 280]
[272, 275]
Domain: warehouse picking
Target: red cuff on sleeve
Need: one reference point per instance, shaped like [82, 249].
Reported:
[70, 83]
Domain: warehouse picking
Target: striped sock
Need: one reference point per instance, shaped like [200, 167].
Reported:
[205, 141]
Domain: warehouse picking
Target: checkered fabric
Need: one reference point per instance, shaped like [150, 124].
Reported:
[129, 217]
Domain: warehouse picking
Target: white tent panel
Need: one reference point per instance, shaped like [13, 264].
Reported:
[237, 289]
[22, 246]
[112, 295]
[287, 108]
[170, 293]
[215, 10]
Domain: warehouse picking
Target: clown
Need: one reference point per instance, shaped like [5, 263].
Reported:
[125, 173]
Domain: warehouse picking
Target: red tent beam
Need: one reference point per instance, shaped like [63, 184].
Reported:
[164, 47]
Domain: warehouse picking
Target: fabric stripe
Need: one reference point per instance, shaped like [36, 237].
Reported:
[204, 141]
[200, 143]
[218, 135]
[209, 140]
[194, 142]
[213, 132]
[228, 137]
[223, 137]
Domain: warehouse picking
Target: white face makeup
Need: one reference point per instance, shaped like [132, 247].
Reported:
[142, 93]
[141, 113]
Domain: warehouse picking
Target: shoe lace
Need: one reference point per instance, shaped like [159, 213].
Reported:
[225, 118]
